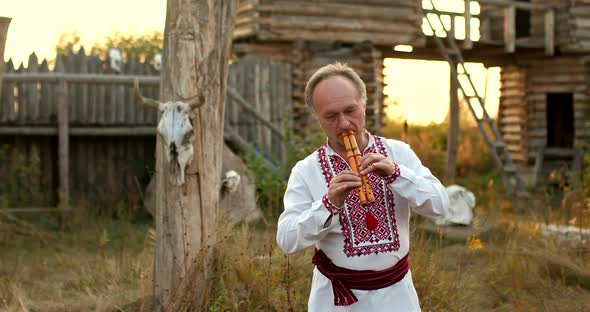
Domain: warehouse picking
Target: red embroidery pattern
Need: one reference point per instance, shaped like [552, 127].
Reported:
[358, 239]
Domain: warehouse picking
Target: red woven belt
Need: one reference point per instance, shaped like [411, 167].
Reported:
[343, 280]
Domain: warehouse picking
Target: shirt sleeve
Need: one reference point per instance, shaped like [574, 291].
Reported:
[413, 181]
[304, 221]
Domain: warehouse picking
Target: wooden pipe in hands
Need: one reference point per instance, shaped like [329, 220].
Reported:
[354, 159]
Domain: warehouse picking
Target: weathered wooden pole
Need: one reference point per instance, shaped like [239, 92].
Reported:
[453, 134]
[4, 23]
[197, 41]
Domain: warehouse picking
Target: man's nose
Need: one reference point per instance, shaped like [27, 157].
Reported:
[343, 122]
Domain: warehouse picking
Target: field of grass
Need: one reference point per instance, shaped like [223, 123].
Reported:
[503, 263]
[105, 265]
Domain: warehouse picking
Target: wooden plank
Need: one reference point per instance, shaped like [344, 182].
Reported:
[82, 96]
[510, 29]
[136, 111]
[70, 67]
[92, 111]
[550, 32]
[63, 146]
[107, 79]
[78, 131]
[7, 104]
[119, 100]
[289, 33]
[32, 92]
[101, 104]
[21, 98]
[265, 98]
[393, 15]
[46, 96]
[467, 43]
[515, 4]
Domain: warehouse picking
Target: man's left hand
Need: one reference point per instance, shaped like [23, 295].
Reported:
[376, 164]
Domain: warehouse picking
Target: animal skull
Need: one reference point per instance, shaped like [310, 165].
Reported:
[158, 61]
[176, 130]
[115, 59]
[230, 182]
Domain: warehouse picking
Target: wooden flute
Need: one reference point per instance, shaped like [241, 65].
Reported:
[354, 158]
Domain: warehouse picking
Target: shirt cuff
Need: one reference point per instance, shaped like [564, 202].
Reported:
[390, 179]
[330, 205]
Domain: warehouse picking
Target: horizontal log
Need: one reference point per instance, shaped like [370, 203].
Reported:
[80, 78]
[548, 78]
[380, 3]
[512, 137]
[244, 31]
[514, 111]
[79, 131]
[338, 25]
[353, 12]
[414, 39]
[32, 209]
[511, 129]
[512, 120]
[518, 5]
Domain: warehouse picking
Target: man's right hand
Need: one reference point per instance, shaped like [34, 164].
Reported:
[341, 185]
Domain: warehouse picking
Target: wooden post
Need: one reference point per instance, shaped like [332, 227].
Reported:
[510, 28]
[467, 43]
[4, 23]
[549, 32]
[453, 135]
[63, 146]
[197, 42]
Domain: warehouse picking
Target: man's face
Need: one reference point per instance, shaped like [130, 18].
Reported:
[338, 108]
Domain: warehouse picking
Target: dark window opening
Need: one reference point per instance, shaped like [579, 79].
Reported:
[560, 120]
[523, 22]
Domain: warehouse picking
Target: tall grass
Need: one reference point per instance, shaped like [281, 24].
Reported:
[504, 263]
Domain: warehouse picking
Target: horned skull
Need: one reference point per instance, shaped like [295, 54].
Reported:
[176, 130]
[115, 59]
[158, 61]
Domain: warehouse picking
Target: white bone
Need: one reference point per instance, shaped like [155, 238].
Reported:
[177, 132]
[158, 61]
[115, 59]
[230, 182]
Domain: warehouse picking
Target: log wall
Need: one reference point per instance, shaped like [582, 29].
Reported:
[523, 103]
[383, 22]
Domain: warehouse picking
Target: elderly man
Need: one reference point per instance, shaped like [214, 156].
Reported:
[362, 250]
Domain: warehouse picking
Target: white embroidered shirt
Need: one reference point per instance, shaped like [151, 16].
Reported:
[354, 236]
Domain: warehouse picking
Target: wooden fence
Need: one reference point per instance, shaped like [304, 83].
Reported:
[108, 140]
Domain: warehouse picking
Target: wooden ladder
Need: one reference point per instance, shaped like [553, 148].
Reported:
[497, 148]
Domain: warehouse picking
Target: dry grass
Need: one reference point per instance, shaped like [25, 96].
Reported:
[105, 265]
[98, 265]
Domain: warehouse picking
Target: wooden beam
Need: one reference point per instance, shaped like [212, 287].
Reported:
[31, 209]
[248, 107]
[467, 43]
[510, 29]
[63, 146]
[515, 4]
[549, 32]
[81, 78]
[79, 131]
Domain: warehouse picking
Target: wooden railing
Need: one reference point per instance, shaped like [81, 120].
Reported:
[41, 104]
[508, 8]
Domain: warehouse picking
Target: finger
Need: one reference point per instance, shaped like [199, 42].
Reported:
[345, 188]
[382, 168]
[369, 159]
[349, 176]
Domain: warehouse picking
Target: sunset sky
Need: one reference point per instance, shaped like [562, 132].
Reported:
[420, 88]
